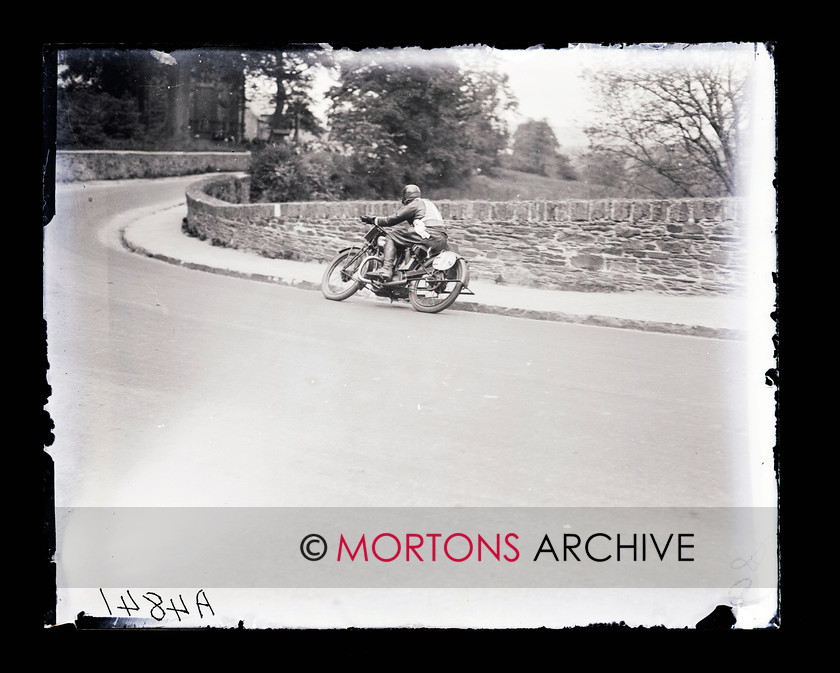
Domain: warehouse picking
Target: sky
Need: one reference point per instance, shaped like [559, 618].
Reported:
[548, 86]
[549, 83]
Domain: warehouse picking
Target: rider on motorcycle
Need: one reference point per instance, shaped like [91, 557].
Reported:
[417, 221]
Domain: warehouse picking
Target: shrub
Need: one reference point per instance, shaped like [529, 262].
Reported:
[279, 173]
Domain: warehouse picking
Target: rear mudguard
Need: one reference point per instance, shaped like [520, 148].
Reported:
[466, 270]
[458, 254]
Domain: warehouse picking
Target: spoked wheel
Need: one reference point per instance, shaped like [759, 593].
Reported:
[439, 290]
[338, 282]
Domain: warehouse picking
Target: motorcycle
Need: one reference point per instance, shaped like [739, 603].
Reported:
[431, 280]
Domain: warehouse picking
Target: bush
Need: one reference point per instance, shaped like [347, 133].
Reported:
[279, 173]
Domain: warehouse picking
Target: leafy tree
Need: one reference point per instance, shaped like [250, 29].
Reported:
[676, 127]
[140, 95]
[605, 168]
[292, 72]
[411, 116]
[104, 95]
[536, 150]
[487, 100]
[119, 72]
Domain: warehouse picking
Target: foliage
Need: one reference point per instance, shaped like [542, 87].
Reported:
[118, 72]
[511, 185]
[91, 120]
[435, 118]
[134, 98]
[104, 97]
[536, 150]
[674, 129]
[407, 117]
[292, 73]
[279, 174]
[605, 168]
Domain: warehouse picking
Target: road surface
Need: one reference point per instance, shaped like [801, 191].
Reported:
[180, 387]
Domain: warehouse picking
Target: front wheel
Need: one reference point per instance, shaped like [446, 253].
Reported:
[337, 282]
[439, 290]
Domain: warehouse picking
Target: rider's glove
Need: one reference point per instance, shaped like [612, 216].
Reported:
[367, 220]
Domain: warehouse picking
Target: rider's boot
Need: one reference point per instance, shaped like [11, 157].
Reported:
[385, 272]
[390, 257]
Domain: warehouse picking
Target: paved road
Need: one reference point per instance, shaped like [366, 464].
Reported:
[177, 387]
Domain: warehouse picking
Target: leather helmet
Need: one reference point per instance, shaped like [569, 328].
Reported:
[410, 192]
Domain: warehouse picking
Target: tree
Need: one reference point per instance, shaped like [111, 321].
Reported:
[536, 150]
[676, 128]
[104, 95]
[486, 102]
[143, 95]
[411, 116]
[605, 168]
[292, 72]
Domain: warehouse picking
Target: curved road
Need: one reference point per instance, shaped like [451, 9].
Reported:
[180, 387]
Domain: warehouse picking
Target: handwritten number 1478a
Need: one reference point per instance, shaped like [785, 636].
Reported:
[157, 605]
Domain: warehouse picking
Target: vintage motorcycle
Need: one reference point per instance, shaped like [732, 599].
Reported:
[430, 281]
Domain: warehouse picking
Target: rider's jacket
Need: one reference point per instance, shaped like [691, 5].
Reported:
[414, 210]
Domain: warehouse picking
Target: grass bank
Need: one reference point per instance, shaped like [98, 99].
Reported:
[509, 185]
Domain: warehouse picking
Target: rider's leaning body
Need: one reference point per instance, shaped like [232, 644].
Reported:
[417, 221]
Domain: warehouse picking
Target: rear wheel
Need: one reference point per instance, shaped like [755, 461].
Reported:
[337, 282]
[438, 290]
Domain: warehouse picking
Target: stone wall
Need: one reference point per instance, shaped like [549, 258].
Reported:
[678, 246]
[77, 166]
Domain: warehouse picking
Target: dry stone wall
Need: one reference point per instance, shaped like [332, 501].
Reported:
[691, 246]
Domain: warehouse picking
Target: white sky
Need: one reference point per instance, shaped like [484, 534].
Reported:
[547, 85]
[548, 82]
